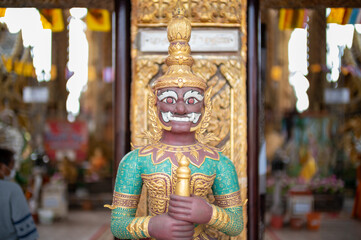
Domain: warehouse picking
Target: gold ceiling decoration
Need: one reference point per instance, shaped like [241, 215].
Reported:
[225, 13]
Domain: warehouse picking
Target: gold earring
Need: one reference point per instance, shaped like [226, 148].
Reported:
[157, 125]
[155, 111]
[202, 126]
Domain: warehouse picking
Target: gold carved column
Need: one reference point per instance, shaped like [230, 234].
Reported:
[225, 71]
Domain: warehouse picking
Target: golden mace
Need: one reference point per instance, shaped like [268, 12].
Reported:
[182, 187]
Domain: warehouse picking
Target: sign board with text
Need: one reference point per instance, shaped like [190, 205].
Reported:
[210, 40]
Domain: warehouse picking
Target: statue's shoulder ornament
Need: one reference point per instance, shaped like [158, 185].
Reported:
[196, 153]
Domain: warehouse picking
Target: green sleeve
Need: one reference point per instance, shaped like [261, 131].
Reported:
[228, 207]
[127, 190]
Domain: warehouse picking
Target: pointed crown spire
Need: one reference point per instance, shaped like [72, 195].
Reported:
[179, 60]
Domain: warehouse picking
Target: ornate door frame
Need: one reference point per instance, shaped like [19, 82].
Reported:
[225, 71]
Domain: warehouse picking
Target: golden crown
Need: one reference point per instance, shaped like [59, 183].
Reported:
[179, 61]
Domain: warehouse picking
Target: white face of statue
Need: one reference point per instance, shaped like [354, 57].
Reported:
[180, 108]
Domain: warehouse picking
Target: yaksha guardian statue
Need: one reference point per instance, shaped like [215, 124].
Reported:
[177, 168]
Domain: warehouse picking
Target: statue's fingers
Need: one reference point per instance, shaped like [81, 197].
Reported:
[186, 234]
[175, 210]
[180, 204]
[180, 216]
[178, 222]
[185, 228]
[180, 198]
[183, 238]
[179, 213]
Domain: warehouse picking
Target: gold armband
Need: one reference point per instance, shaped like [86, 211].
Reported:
[229, 200]
[138, 228]
[219, 218]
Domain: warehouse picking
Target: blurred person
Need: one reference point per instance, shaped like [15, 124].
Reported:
[16, 221]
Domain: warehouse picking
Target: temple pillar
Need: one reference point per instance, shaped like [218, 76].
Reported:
[59, 49]
[317, 58]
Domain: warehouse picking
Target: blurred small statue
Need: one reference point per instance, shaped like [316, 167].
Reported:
[309, 166]
[68, 170]
[97, 161]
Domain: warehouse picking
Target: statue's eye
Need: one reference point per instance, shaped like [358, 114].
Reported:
[191, 100]
[169, 100]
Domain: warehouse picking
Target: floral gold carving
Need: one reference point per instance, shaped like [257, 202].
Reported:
[159, 189]
[160, 186]
[205, 69]
[145, 70]
[201, 184]
[200, 13]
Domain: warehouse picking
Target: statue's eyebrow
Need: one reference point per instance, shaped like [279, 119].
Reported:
[193, 93]
[168, 93]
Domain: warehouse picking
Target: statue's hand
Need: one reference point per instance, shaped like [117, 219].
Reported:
[192, 209]
[164, 227]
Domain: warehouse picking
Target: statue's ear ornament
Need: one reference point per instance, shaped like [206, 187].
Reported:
[201, 128]
[157, 127]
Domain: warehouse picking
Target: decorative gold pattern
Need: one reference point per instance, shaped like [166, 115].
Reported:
[160, 186]
[200, 13]
[202, 233]
[219, 218]
[201, 184]
[123, 200]
[173, 79]
[159, 189]
[196, 153]
[229, 200]
[138, 228]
